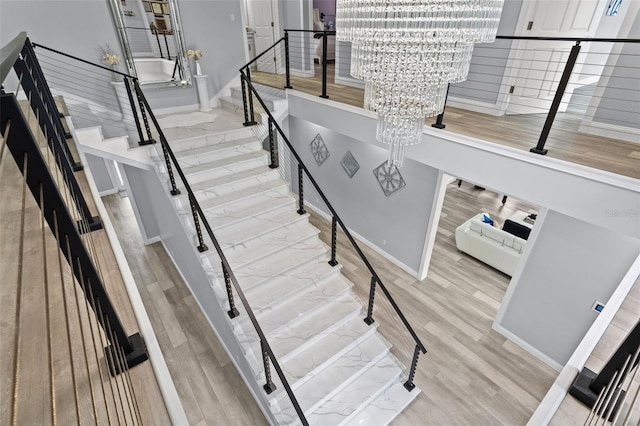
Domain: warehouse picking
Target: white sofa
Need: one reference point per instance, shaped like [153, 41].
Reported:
[491, 245]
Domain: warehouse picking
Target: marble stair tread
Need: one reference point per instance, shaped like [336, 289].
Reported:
[230, 213]
[255, 248]
[355, 397]
[385, 407]
[204, 154]
[329, 381]
[230, 183]
[327, 349]
[276, 291]
[224, 166]
[298, 307]
[185, 144]
[281, 262]
[256, 226]
[270, 188]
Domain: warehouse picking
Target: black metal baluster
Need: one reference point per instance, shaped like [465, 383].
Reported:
[334, 233]
[269, 386]
[245, 106]
[301, 209]
[166, 43]
[438, 124]
[324, 66]
[409, 385]
[155, 31]
[134, 110]
[233, 311]
[286, 60]
[564, 80]
[172, 179]
[150, 139]
[202, 247]
[251, 113]
[272, 146]
[372, 291]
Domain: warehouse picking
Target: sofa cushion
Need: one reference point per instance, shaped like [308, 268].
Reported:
[517, 229]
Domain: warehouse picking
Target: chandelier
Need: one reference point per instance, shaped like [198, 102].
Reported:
[407, 52]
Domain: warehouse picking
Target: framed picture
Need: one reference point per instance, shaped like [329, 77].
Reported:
[156, 8]
[161, 24]
[147, 6]
[165, 8]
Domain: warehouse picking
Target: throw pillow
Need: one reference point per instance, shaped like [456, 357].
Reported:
[487, 219]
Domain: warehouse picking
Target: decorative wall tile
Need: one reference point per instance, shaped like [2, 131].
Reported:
[389, 178]
[319, 149]
[350, 164]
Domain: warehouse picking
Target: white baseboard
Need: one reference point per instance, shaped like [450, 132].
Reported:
[152, 240]
[473, 105]
[301, 73]
[108, 192]
[372, 246]
[612, 131]
[527, 347]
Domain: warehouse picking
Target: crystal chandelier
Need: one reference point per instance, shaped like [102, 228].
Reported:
[407, 51]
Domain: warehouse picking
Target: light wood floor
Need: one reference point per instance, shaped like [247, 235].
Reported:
[41, 346]
[471, 374]
[210, 388]
[516, 131]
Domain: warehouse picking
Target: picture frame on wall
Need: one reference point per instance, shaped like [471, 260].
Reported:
[161, 24]
[165, 8]
[147, 6]
[156, 8]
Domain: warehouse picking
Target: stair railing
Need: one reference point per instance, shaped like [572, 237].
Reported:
[376, 281]
[200, 219]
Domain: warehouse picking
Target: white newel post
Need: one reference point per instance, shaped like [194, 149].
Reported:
[203, 92]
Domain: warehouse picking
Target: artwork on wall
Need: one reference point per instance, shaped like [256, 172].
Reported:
[614, 7]
[319, 149]
[350, 164]
[147, 6]
[389, 178]
[165, 8]
[157, 8]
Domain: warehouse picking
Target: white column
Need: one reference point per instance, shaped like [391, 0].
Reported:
[203, 92]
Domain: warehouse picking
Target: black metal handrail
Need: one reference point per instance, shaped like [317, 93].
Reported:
[263, 53]
[337, 220]
[227, 271]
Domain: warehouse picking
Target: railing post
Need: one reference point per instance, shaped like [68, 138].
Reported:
[372, 291]
[251, 114]
[233, 311]
[286, 60]
[269, 386]
[301, 209]
[150, 139]
[334, 234]
[409, 385]
[272, 147]
[245, 78]
[174, 189]
[438, 124]
[202, 247]
[155, 31]
[324, 65]
[166, 43]
[134, 110]
[557, 99]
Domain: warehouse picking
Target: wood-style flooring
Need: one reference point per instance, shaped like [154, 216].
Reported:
[471, 374]
[516, 131]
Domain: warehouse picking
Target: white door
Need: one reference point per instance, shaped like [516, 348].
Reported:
[537, 66]
[262, 17]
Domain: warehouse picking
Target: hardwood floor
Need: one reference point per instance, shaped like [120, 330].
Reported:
[516, 131]
[210, 388]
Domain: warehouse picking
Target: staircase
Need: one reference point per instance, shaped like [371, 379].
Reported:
[340, 369]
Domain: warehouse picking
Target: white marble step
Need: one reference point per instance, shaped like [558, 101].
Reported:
[253, 227]
[281, 263]
[206, 154]
[225, 166]
[185, 144]
[298, 307]
[272, 188]
[212, 188]
[385, 407]
[271, 294]
[329, 381]
[351, 401]
[256, 248]
[234, 212]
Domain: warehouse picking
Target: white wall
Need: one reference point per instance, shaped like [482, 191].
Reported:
[396, 224]
[571, 265]
[101, 175]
